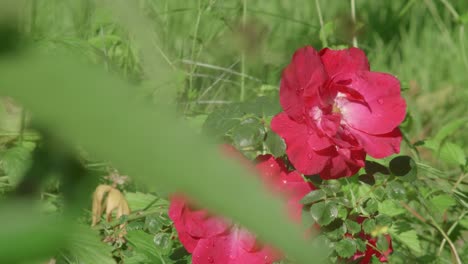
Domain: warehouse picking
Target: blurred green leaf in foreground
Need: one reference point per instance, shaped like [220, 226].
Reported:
[84, 106]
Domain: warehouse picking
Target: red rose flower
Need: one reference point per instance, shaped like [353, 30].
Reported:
[336, 110]
[213, 239]
[371, 247]
[288, 183]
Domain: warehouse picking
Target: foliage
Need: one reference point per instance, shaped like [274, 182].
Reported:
[156, 61]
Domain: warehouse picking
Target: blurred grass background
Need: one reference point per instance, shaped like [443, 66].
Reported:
[228, 51]
[218, 60]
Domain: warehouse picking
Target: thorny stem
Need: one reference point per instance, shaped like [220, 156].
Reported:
[413, 212]
[433, 223]
[450, 231]
[353, 17]
[151, 204]
[460, 179]
[446, 237]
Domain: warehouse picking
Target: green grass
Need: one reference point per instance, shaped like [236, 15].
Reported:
[219, 59]
[221, 52]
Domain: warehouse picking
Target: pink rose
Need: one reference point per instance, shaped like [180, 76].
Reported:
[336, 110]
[213, 239]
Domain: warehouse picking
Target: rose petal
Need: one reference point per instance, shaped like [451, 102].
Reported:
[305, 74]
[175, 213]
[270, 168]
[344, 61]
[201, 224]
[192, 225]
[385, 107]
[379, 146]
[344, 165]
[230, 249]
[299, 144]
[295, 188]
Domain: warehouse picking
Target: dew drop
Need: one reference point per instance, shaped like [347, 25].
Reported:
[309, 156]
[380, 101]
[210, 260]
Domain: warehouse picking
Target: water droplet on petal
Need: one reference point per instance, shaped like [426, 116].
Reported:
[380, 101]
[210, 260]
[309, 156]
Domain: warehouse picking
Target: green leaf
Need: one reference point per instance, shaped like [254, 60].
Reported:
[382, 243]
[391, 208]
[104, 41]
[326, 31]
[324, 212]
[336, 230]
[431, 144]
[361, 244]
[375, 260]
[16, 160]
[313, 196]
[196, 122]
[464, 18]
[331, 186]
[139, 200]
[223, 120]
[275, 144]
[346, 248]
[353, 227]
[85, 246]
[248, 134]
[452, 154]
[368, 225]
[443, 202]
[383, 220]
[138, 258]
[144, 243]
[396, 190]
[464, 222]
[164, 242]
[342, 211]
[450, 128]
[410, 239]
[262, 107]
[154, 222]
[371, 206]
[170, 156]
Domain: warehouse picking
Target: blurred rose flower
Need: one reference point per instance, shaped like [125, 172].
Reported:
[336, 110]
[213, 239]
